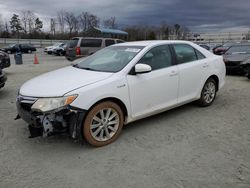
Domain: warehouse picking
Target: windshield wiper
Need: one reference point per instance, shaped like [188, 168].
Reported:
[85, 68]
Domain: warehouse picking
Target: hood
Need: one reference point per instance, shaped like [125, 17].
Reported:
[61, 81]
[236, 57]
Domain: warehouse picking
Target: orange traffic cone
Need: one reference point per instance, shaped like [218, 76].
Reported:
[36, 59]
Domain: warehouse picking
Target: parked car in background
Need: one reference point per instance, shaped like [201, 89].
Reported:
[24, 48]
[234, 56]
[246, 67]
[59, 50]
[4, 60]
[221, 49]
[49, 49]
[3, 78]
[205, 46]
[80, 47]
[118, 85]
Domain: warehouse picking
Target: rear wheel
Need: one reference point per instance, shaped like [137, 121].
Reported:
[103, 124]
[208, 93]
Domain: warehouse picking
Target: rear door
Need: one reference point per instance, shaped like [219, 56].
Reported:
[193, 70]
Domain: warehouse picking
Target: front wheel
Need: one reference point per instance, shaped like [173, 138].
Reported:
[248, 73]
[103, 124]
[208, 93]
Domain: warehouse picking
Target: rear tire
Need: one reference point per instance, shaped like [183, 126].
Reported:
[208, 93]
[103, 124]
[248, 73]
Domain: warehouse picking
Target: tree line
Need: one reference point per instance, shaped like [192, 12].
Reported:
[67, 24]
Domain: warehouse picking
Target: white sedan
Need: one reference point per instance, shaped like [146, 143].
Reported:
[119, 84]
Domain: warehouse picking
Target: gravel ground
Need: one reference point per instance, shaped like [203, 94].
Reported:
[186, 147]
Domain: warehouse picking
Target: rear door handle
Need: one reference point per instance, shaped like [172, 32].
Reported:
[173, 73]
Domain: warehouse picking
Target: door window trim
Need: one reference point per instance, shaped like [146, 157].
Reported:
[176, 60]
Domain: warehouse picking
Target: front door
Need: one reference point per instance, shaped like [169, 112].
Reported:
[154, 91]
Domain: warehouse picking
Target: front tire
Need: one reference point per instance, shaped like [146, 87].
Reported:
[208, 93]
[103, 124]
[248, 73]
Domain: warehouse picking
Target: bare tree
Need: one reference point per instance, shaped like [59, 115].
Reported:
[110, 23]
[53, 26]
[83, 20]
[61, 20]
[24, 20]
[69, 20]
[93, 21]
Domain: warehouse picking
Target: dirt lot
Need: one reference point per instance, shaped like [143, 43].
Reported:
[186, 147]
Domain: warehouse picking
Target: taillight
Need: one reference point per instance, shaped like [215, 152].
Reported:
[78, 51]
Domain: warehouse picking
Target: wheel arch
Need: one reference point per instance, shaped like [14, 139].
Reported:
[119, 102]
[216, 79]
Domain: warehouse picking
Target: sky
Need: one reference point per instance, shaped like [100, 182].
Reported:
[197, 15]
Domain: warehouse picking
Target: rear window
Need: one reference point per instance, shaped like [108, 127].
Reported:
[72, 43]
[91, 43]
[109, 42]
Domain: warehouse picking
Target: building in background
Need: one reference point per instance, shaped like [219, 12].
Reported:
[106, 33]
[220, 37]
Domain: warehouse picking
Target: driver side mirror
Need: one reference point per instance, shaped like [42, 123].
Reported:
[142, 68]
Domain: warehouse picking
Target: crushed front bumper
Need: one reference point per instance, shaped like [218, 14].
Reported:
[68, 120]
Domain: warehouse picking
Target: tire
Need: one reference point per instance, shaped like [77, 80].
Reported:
[248, 73]
[9, 52]
[29, 51]
[208, 93]
[103, 124]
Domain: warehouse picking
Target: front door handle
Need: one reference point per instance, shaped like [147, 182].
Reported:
[205, 65]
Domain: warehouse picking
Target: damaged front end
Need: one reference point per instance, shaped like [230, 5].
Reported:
[50, 116]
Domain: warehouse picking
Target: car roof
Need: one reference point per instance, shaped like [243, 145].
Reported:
[153, 43]
[94, 38]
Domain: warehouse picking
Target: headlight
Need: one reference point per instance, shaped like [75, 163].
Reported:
[49, 104]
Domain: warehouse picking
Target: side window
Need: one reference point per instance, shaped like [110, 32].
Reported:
[109, 42]
[184, 53]
[199, 55]
[158, 57]
[91, 43]
[120, 41]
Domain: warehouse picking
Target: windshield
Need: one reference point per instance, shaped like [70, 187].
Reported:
[241, 49]
[111, 59]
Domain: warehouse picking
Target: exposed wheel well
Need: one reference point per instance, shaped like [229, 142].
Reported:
[216, 79]
[117, 101]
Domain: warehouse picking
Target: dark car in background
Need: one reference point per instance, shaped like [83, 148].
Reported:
[4, 60]
[234, 57]
[205, 46]
[3, 78]
[80, 47]
[246, 67]
[24, 48]
[221, 49]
